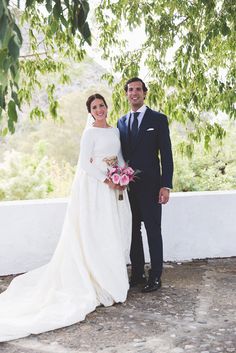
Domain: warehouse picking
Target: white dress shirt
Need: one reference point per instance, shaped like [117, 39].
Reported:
[142, 111]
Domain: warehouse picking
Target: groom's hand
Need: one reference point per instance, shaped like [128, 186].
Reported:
[164, 195]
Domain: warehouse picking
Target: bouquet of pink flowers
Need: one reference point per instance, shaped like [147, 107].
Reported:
[121, 176]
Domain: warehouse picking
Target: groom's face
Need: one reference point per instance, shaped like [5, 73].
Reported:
[135, 95]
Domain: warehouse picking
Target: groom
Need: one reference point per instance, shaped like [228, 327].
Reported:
[146, 146]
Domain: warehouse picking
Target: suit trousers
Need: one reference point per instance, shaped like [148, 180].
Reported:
[145, 207]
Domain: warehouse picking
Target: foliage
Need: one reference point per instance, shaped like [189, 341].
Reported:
[33, 176]
[63, 33]
[10, 43]
[35, 171]
[187, 59]
[188, 54]
[210, 170]
[30, 169]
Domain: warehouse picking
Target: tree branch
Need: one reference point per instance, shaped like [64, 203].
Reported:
[30, 55]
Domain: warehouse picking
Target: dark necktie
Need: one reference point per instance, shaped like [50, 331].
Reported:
[134, 128]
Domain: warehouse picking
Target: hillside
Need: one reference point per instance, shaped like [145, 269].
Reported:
[85, 80]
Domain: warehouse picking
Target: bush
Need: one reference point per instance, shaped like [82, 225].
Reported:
[33, 176]
[214, 169]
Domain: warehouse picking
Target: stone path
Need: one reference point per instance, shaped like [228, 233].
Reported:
[194, 312]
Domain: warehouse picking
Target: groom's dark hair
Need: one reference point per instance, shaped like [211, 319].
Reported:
[135, 79]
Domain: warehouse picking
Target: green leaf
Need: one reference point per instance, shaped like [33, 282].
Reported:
[29, 3]
[5, 4]
[11, 126]
[37, 113]
[64, 21]
[3, 78]
[4, 131]
[2, 97]
[6, 65]
[3, 70]
[49, 5]
[14, 48]
[13, 71]
[225, 30]
[15, 98]
[57, 10]
[54, 26]
[1, 8]
[12, 114]
[83, 13]
[18, 33]
[3, 26]
[3, 56]
[53, 109]
[85, 31]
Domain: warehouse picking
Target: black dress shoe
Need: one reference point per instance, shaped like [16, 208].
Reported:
[152, 285]
[135, 281]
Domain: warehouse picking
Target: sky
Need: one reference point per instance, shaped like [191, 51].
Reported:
[94, 51]
[134, 38]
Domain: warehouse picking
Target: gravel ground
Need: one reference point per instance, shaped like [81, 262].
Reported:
[193, 312]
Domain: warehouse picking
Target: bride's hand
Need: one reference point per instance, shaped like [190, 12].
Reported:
[121, 188]
[111, 184]
[114, 186]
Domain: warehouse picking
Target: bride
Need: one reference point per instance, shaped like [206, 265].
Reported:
[88, 267]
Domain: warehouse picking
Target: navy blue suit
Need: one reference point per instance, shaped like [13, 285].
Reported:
[152, 155]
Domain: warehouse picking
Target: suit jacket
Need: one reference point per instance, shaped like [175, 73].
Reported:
[152, 153]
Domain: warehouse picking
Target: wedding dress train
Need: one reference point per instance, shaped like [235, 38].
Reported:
[88, 267]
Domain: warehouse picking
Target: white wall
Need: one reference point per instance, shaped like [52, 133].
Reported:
[195, 225]
[29, 232]
[200, 225]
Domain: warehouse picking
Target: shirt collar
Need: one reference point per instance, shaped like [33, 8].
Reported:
[141, 109]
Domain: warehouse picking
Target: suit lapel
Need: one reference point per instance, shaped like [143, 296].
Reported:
[126, 128]
[143, 127]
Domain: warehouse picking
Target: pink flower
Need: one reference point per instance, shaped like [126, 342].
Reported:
[113, 170]
[129, 171]
[124, 180]
[115, 178]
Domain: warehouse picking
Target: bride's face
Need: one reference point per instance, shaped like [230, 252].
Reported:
[98, 110]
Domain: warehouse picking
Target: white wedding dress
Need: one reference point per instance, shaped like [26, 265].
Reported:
[88, 267]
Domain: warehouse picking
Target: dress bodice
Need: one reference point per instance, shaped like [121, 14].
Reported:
[98, 145]
[106, 141]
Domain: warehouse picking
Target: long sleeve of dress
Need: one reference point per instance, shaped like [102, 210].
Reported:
[121, 161]
[86, 155]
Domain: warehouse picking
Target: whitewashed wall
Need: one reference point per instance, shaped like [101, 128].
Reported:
[195, 225]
